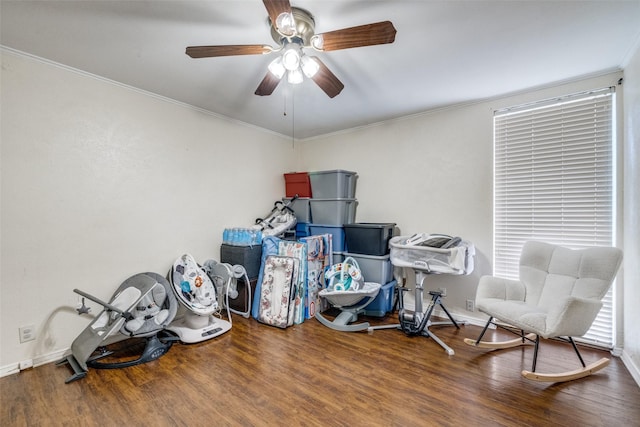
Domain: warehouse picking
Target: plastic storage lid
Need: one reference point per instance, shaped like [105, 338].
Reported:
[367, 256]
[333, 171]
[333, 199]
[372, 224]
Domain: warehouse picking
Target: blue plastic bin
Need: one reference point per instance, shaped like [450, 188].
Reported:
[337, 231]
[383, 303]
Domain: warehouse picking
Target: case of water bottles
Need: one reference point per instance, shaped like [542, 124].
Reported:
[241, 237]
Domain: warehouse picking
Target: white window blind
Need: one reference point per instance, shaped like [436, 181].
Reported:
[554, 182]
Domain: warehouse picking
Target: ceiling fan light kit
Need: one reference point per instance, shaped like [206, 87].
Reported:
[309, 66]
[294, 77]
[293, 29]
[291, 56]
[277, 68]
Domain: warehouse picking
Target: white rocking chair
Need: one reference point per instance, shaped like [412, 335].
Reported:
[558, 296]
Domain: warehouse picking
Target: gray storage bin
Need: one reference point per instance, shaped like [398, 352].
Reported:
[333, 211]
[301, 208]
[377, 269]
[333, 184]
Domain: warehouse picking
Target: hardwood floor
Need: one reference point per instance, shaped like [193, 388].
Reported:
[311, 375]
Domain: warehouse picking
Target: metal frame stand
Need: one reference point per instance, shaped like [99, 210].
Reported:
[418, 321]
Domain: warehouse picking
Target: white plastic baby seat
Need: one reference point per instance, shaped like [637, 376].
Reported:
[193, 287]
[346, 298]
[197, 295]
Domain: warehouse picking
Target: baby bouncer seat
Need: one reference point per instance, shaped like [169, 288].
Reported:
[199, 301]
[347, 291]
[142, 307]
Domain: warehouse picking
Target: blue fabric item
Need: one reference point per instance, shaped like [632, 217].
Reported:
[185, 286]
[270, 246]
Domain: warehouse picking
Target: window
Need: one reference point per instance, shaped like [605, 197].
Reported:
[554, 181]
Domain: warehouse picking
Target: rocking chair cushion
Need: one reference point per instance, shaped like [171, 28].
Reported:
[567, 317]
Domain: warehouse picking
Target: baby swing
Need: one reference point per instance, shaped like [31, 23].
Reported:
[225, 279]
[141, 307]
[198, 297]
[347, 291]
[429, 254]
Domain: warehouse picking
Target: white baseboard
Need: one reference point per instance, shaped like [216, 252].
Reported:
[632, 367]
[14, 368]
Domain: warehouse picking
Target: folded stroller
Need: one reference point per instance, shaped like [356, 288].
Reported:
[280, 220]
[140, 308]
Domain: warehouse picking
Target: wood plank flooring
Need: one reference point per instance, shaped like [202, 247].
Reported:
[310, 375]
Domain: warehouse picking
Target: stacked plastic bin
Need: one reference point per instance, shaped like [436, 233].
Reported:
[326, 202]
[297, 184]
[368, 244]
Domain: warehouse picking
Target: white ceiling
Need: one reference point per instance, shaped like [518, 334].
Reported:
[445, 52]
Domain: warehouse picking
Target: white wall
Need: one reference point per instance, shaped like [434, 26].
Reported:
[100, 182]
[432, 173]
[631, 353]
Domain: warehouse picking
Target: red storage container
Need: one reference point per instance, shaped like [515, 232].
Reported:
[297, 183]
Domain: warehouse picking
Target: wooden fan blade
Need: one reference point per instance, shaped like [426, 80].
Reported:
[275, 8]
[327, 81]
[228, 50]
[267, 85]
[363, 35]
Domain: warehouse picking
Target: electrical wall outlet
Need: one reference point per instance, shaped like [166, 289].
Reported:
[27, 333]
[26, 364]
[471, 305]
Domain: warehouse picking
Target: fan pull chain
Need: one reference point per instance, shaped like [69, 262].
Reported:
[293, 118]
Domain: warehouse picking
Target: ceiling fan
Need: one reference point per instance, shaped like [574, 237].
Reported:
[293, 29]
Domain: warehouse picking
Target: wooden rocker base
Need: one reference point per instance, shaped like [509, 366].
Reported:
[501, 344]
[567, 376]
